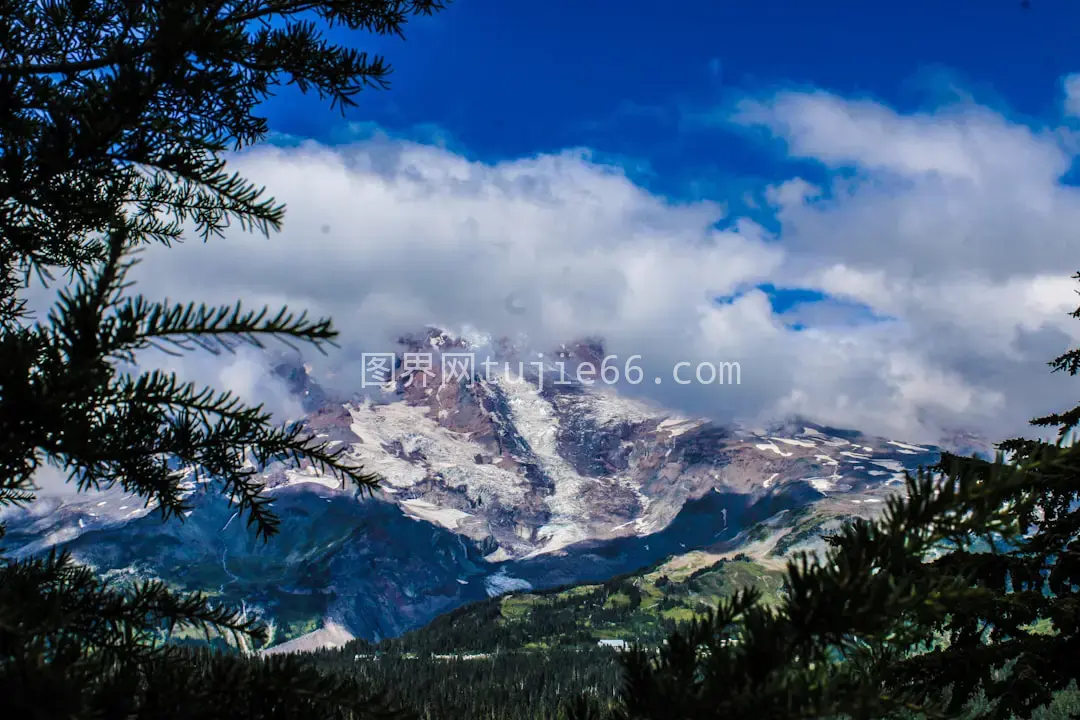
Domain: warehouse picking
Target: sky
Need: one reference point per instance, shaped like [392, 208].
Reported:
[872, 207]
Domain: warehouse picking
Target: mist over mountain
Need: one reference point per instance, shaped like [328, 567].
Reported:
[492, 482]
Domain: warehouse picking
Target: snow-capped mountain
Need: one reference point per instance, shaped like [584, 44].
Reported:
[492, 482]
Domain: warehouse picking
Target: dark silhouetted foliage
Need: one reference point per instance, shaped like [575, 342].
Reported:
[961, 600]
[115, 116]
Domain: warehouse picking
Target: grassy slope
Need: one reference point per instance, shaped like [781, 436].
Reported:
[641, 607]
[520, 656]
[635, 608]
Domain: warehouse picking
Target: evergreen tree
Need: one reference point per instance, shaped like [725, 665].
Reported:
[115, 116]
[959, 601]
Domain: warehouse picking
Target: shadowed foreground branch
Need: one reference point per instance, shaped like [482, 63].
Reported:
[959, 601]
[115, 116]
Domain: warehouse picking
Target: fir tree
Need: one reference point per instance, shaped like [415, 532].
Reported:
[959, 601]
[115, 116]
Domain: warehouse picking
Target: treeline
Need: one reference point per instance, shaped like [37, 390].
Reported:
[509, 685]
[525, 656]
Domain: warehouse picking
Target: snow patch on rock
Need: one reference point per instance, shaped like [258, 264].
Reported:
[797, 443]
[908, 449]
[537, 423]
[501, 583]
[331, 635]
[423, 510]
[772, 447]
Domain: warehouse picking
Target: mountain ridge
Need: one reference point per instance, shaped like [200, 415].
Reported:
[490, 484]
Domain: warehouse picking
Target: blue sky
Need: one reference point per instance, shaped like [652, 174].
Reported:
[629, 77]
[870, 205]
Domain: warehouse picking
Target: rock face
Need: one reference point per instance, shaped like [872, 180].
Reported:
[492, 481]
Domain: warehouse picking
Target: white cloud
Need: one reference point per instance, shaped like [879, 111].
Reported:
[1071, 85]
[955, 225]
[965, 142]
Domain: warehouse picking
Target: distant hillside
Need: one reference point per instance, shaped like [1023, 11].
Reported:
[640, 607]
[519, 656]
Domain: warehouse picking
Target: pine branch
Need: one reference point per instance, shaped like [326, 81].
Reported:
[115, 116]
[186, 326]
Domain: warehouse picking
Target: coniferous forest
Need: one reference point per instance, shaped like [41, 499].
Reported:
[118, 123]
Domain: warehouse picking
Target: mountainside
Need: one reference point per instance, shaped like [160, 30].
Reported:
[640, 607]
[521, 655]
[491, 484]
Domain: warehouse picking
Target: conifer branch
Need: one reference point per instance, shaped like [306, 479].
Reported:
[115, 116]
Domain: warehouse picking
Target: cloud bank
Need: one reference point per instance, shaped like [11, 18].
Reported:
[952, 233]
